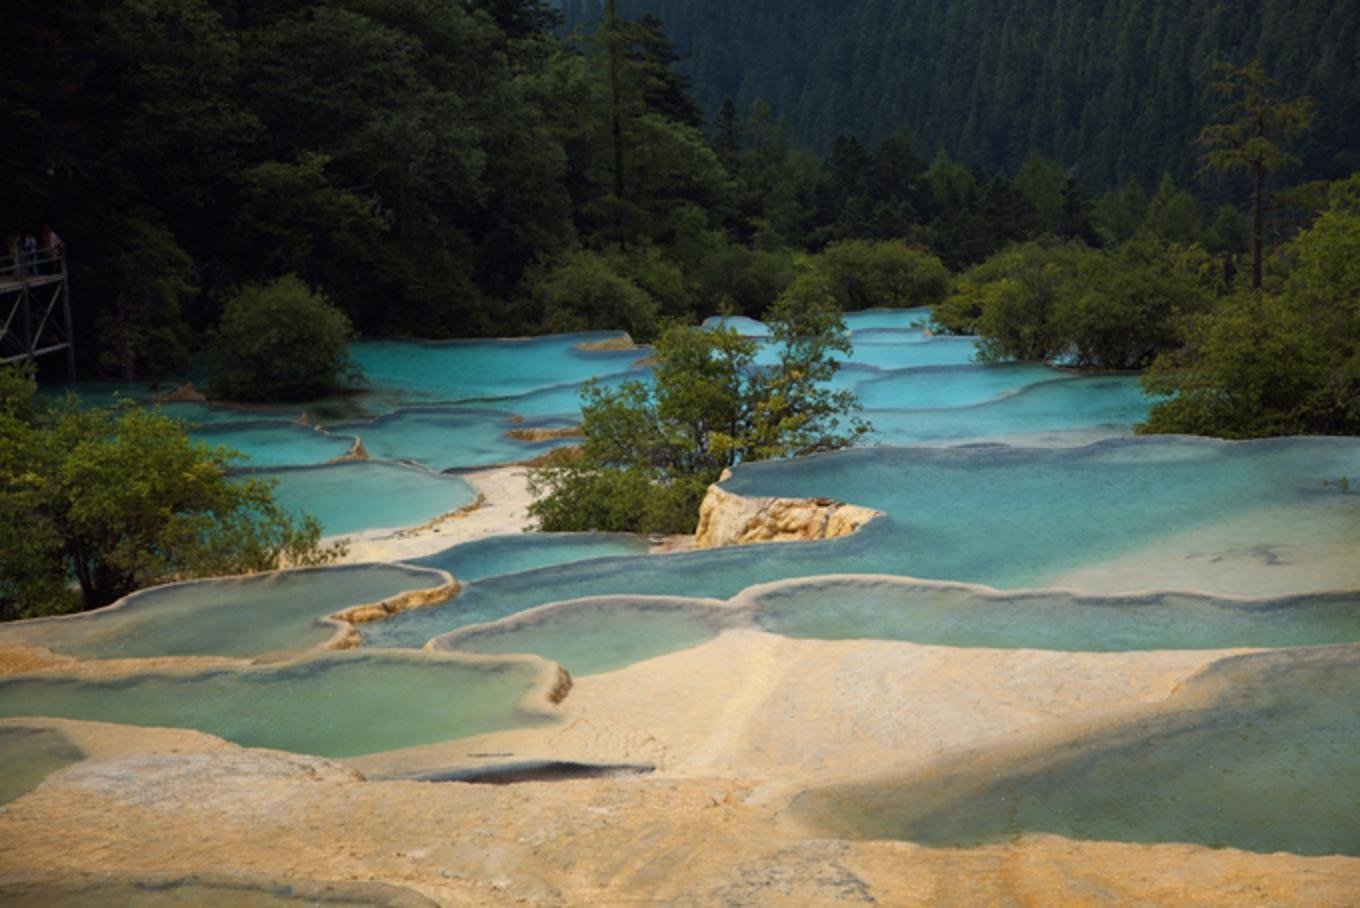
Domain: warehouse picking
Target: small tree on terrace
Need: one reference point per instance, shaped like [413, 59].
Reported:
[652, 448]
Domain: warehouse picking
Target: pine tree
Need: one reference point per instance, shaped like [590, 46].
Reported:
[1255, 122]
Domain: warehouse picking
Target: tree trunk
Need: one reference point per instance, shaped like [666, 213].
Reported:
[616, 119]
[1258, 181]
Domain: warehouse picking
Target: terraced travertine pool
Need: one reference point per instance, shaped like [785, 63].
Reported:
[996, 481]
[1258, 753]
[240, 617]
[331, 705]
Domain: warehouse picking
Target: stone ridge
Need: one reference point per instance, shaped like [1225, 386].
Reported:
[728, 519]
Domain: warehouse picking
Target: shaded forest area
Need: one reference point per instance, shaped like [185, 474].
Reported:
[436, 168]
[445, 169]
[1115, 89]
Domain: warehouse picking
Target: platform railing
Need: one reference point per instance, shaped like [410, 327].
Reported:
[28, 266]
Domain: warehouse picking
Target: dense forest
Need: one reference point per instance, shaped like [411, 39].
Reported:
[1115, 89]
[433, 168]
[438, 168]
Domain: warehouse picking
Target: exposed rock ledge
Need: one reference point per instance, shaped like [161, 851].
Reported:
[184, 393]
[395, 605]
[623, 342]
[729, 519]
[550, 433]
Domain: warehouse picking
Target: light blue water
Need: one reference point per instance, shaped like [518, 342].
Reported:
[1258, 753]
[275, 444]
[895, 351]
[942, 387]
[245, 617]
[994, 515]
[743, 325]
[563, 401]
[334, 705]
[445, 437]
[446, 372]
[1110, 402]
[597, 635]
[360, 495]
[528, 551]
[956, 616]
[891, 319]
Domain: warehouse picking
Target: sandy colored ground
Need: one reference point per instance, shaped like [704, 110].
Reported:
[735, 727]
[504, 509]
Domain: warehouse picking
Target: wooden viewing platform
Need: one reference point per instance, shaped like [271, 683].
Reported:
[36, 305]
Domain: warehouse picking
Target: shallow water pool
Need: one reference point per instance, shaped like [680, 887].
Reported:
[597, 635]
[362, 495]
[1256, 753]
[275, 444]
[332, 705]
[29, 755]
[1000, 516]
[444, 438]
[529, 551]
[243, 617]
[946, 615]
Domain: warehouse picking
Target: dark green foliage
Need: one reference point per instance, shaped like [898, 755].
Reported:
[1282, 362]
[585, 291]
[652, 449]
[1246, 138]
[1117, 89]
[280, 341]
[123, 499]
[1073, 305]
[861, 274]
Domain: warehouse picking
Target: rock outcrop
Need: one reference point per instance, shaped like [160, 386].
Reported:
[357, 451]
[395, 605]
[623, 342]
[541, 433]
[729, 519]
[185, 393]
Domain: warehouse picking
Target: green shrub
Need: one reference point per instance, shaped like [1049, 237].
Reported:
[121, 499]
[585, 291]
[863, 274]
[280, 341]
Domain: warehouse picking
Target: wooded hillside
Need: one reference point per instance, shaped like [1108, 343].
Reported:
[1115, 88]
